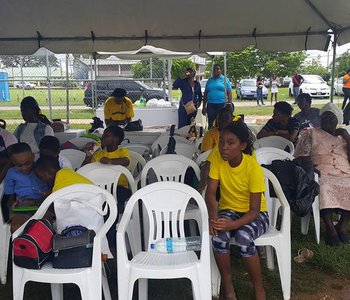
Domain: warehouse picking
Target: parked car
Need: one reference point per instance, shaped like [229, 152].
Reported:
[133, 88]
[286, 81]
[24, 84]
[246, 89]
[203, 83]
[314, 85]
[338, 87]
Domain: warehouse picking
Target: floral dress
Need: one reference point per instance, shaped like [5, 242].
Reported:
[330, 157]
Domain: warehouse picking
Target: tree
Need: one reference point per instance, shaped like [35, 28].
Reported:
[179, 67]
[252, 62]
[143, 69]
[316, 68]
[15, 61]
[342, 64]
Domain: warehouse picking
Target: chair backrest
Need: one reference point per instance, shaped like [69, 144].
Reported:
[76, 157]
[137, 163]
[141, 149]
[183, 131]
[186, 150]
[198, 143]
[107, 176]
[269, 177]
[275, 142]
[165, 205]
[162, 141]
[170, 167]
[202, 157]
[266, 155]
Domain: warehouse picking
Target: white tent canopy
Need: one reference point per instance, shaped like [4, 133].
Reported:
[88, 26]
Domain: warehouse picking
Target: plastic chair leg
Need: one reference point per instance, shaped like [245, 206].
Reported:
[4, 243]
[316, 213]
[18, 286]
[105, 286]
[270, 261]
[143, 289]
[215, 275]
[284, 266]
[57, 291]
[305, 221]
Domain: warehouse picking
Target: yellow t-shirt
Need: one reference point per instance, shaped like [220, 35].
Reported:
[66, 177]
[347, 79]
[118, 112]
[119, 153]
[237, 183]
[210, 139]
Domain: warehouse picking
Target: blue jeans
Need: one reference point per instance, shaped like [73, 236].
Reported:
[259, 96]
[296, 91]
[212, 112]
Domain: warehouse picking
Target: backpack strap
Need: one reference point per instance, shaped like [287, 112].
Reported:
[39, 132]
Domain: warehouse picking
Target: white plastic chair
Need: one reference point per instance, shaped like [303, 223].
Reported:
[275, 142]
[5, 236]
[137, 163]
[80, 142]
[162, 141]
[141, 149]
[107, 177]
[278, 239]
[186, 150]
[265, 156]
[76, 157]
[172, 167]
[90, 280]
[198, 143]
[166, 219]
[202, 157]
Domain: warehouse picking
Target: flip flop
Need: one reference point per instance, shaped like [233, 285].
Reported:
[303, 255]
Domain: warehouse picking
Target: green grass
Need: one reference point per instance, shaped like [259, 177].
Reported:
[58, 96]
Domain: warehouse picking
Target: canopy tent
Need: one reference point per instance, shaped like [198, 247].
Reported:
[87, 26]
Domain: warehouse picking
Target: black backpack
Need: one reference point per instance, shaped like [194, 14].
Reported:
[33, 247]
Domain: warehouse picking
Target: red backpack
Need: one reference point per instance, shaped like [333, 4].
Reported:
[33, 247]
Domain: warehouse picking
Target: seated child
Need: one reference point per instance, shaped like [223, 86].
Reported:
[112, 154]
[242, 212]
[48, 169]
[50, 146]
[23, 190]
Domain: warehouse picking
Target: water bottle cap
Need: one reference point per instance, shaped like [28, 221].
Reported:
[152, 246]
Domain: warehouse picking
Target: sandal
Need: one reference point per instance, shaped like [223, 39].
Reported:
[303, 255]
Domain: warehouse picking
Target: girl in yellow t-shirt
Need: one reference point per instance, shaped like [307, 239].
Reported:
[242, 208]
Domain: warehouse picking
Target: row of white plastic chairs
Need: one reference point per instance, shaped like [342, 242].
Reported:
[166, 205]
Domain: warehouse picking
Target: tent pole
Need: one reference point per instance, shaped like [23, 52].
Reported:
[67, 89]
[164, 82]
[170, 83]
[49, 84]
[225, 75]
[95, 99]
[335, 39]
[92, 84]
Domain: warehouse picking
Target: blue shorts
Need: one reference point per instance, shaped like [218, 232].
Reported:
[244, 236]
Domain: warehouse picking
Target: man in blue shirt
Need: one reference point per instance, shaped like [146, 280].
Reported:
[214, 95]
[23, 190]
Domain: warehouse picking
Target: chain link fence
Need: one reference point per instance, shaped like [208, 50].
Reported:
[71, 87]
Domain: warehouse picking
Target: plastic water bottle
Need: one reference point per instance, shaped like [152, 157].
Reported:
[174, 245]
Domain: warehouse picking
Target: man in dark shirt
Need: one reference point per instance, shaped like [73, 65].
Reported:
[309, 117]
[282, 123]
[297, 80]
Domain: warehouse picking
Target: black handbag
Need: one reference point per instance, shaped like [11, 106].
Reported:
[134, 126]
[73, 248]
